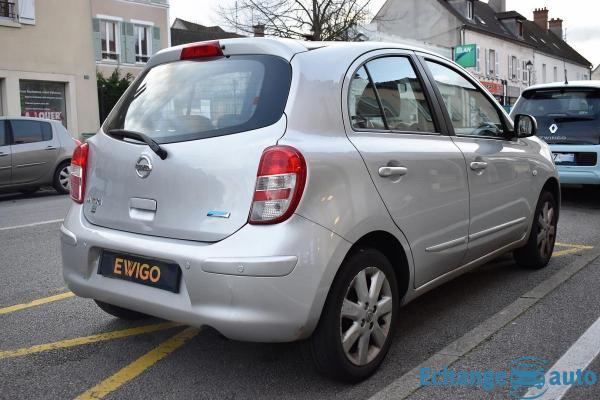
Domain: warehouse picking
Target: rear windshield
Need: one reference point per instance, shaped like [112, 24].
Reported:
[564, 115]
[197, 99]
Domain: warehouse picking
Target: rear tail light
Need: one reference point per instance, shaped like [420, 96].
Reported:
[78, 172]
[279, 185]
[203, 50]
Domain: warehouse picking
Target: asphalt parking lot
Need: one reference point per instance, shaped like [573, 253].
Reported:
[54, 345]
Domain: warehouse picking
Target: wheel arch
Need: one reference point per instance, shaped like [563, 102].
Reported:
[553, 186]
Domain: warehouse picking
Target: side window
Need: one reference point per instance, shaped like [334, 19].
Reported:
[401, 93]
[25, 131]
[362, 103]
[471, 112]
[3, 135]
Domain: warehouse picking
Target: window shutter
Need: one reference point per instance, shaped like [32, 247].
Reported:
[487, 62]
[26, 12]
[97, 39]
[497, 64]
[128, 43]
[510, 66]
[478, 66]
[519, 70]
[155, 39]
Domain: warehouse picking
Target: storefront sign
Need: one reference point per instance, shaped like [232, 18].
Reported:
[466, 55]
[43, 99]
[493, 87]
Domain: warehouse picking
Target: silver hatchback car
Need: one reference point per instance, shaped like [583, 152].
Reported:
[34, 152]
[278, 190]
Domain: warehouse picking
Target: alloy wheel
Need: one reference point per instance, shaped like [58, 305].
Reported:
[366, 316]
[63, 177]
[547, 230]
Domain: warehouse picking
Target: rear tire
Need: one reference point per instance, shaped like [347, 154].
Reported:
[120, 312]
[61, 178]
[358, 321]
[537, 252]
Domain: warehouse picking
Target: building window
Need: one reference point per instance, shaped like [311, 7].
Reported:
[469, 9]
[43, 99]
[514, 67]
[524, 72]
[544, 78]
[555, 74]
[520, 28]
[7, 9]
[492, 63]
[142, 43]
[109, 32]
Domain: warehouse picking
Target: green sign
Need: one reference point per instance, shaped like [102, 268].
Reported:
[466, 55]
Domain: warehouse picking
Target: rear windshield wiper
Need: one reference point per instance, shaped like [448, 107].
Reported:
[124, 133]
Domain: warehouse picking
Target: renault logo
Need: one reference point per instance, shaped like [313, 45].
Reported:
[143, 167]
[553, 128]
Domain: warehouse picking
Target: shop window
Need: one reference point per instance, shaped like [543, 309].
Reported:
[43, 99]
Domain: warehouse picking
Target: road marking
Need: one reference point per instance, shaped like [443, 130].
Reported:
[409, 383]
[140, 365]
[54, 221]
[579, 356]
[102, 337]
[577, 246]
[573, 248]
[38, 302]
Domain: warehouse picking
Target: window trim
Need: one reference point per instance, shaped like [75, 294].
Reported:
[429, 97]
[501, 113]
[117, 24]
[149, 38]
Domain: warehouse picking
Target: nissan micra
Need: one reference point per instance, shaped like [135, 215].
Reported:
[278, 190]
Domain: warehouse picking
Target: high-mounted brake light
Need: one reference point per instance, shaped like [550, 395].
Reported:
[78, 172]
[204, 50]
[279, 185]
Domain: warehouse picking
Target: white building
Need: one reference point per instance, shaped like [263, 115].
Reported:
[596, 74]
[512, 52]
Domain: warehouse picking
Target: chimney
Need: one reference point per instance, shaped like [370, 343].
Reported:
[498, 6]
[556, 27]
[540, 17]
[259, 30]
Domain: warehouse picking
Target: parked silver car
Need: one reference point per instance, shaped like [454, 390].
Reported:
[34, 152]
[278, 190]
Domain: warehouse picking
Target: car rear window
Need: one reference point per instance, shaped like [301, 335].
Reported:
[197, 99]
[575, 104]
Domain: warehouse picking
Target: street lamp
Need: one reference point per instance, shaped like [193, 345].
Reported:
[529, 66]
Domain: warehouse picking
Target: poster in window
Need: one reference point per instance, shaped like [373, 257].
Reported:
[43, 99]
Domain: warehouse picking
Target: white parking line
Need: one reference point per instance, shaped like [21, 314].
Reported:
[8, 228]
[578, 357]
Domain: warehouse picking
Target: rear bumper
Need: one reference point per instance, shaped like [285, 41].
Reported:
[576, 174]
[263, 283]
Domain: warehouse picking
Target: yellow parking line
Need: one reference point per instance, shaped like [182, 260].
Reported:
[102, 337]
[37, 302]
[140, 365]
[565, 252]
[576, 246]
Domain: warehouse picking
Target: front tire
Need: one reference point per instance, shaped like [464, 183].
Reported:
[61, 178]
[537, 252]
[357, 324]
[120, 312]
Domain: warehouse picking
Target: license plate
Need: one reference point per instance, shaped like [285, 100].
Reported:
[145, 271]
[560, 158]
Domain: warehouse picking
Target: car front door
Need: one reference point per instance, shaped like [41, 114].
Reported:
[499, 169]
[418, 171]
[5, 155]
[34, 150]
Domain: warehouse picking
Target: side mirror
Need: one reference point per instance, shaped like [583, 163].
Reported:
[525, 126]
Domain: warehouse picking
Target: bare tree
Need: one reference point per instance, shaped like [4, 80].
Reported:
[306, 19]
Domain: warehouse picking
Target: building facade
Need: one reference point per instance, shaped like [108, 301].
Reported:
[596, 74]
[126, 33]
[510, 52]
[47, 66]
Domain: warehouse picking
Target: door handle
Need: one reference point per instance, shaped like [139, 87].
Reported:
[386, 172]
[478, 165]
[50, 148]
[3, 154]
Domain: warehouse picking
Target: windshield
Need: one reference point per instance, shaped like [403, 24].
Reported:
[569, 116]
[196, 99]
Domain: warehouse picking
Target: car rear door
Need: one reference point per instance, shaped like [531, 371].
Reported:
[5, 155]
[34, 150]
[418, 171]
[499, 168]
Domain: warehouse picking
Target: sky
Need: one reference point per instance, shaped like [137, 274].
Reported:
[581, 18]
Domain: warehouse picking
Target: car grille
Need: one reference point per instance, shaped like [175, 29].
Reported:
[586, 159]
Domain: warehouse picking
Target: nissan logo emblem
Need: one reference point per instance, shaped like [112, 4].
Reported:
[143, 167]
